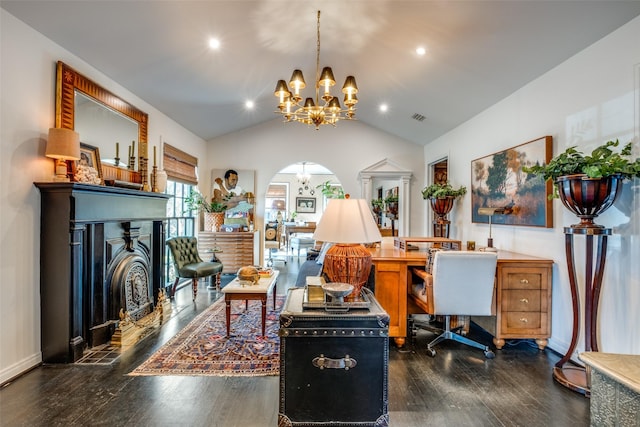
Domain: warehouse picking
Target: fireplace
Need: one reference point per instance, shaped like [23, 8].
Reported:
[102, 252]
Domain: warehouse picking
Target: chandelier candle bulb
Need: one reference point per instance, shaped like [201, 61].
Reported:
[154, 156]
[117, 150]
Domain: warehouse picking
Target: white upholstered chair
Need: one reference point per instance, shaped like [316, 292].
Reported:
[461, 283]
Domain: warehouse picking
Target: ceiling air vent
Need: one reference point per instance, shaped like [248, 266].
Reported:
[419, 117]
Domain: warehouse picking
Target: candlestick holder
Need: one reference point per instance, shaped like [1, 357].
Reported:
[154, 180]
[116, 161]
[132, 162]
[144, 175]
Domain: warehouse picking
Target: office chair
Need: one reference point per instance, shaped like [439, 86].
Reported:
[461, 284]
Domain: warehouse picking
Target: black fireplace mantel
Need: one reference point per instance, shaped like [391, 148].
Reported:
[92, 237]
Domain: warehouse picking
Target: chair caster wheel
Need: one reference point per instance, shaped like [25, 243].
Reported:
[431, 352]
[489, 354]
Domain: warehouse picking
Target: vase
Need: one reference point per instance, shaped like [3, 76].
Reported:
[441, 206]
[161, 181]
[213, 221]
[588, 197]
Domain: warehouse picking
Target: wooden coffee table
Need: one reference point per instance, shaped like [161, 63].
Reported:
[235, 291]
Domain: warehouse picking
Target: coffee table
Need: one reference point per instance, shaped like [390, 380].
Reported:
[234, 290]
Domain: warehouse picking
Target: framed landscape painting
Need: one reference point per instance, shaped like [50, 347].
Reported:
[497, 180]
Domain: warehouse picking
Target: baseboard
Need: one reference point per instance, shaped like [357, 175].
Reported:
[11, 372]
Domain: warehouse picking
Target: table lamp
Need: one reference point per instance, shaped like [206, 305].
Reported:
[348, 223]
[62, 145]
[491, 212]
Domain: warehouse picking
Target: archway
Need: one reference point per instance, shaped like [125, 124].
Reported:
[293, 206]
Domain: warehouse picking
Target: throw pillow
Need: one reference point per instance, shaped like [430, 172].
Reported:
[323, 251]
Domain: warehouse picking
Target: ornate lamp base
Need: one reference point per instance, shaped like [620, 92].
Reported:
[348, 264]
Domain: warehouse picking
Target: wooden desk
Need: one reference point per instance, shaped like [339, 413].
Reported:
[523, 293]
[288, 230]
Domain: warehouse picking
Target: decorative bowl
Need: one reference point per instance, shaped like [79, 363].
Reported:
[248, 275]
[337, 290]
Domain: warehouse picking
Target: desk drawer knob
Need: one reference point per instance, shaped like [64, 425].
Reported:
[524, 281]
[524, 320]
[524, 300]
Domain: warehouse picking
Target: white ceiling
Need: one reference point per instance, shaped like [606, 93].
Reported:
[478, 52]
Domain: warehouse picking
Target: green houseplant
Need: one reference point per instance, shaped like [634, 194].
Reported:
[377, 205]
[331, 191]
[213, 211]
[197, 202]
[588, 185]
[438, 191]
[391, 202]
[441, 198]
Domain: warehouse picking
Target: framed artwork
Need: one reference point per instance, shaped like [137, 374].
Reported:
[244, 186]
[305, 205]
[89, 156]
[497, 180]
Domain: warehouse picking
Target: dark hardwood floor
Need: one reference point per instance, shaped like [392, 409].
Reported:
[458, 387]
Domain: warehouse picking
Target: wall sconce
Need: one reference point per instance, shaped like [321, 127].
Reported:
[62, 145]
[491, 212]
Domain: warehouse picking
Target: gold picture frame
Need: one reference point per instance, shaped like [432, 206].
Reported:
[497, 180]
[89, 155]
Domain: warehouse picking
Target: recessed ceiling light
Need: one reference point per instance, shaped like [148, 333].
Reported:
[384, 108]
[249, 105]
[214, 43]
[421, 50]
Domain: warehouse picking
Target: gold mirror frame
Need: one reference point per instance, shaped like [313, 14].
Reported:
[69, 80]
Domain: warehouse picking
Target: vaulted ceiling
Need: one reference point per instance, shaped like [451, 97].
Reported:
[477, 52]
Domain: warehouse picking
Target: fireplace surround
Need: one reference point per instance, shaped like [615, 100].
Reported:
[101, 253]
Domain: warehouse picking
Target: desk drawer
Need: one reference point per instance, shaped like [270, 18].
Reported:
[517, 320]
[522, 279]
[521, 300]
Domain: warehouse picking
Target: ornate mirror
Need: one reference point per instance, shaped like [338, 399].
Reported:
[74, 90]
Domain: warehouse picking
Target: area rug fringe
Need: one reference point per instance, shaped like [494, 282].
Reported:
[202, 349]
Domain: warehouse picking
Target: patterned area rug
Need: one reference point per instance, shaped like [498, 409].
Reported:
[202, 347]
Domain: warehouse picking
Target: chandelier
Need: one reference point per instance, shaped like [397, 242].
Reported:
[316, 113]
[303, 177]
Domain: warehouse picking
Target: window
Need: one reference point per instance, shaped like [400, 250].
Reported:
[180, 221]
[276, 200]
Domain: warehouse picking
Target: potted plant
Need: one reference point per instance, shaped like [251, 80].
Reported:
[588, 185]
[441, 197]
[377, 205]
[331, 191]
[391, 202]
[213, 211]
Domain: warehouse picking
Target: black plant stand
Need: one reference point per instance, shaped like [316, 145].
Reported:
[571, 376]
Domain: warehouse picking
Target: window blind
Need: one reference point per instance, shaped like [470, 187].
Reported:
[180, 166]
[277, 191]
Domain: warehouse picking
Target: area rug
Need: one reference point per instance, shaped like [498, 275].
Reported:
[202, 348]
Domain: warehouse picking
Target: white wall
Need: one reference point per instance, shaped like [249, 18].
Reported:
[28, 67]
[344, 150]
[591, 98]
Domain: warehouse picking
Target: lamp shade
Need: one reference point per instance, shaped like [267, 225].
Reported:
[347, 221]
[63, 144]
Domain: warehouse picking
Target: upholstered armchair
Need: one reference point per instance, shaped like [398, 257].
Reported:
[189, 265]
[460, 283]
